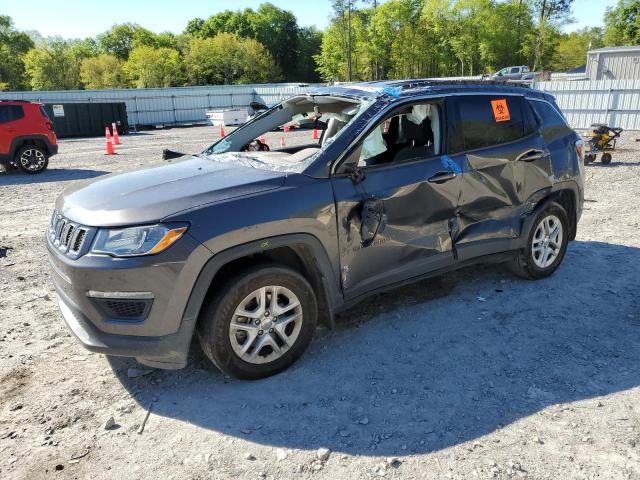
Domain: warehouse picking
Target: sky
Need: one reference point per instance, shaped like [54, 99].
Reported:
[87, 18]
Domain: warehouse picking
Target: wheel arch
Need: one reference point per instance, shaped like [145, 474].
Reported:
[38, 140]
[566, 195]
[301, 252]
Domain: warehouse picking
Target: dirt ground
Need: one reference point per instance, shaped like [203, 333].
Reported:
[471, 376]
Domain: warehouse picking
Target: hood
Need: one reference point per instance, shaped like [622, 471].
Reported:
[150, 194]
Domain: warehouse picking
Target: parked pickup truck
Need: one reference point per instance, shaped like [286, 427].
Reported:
[521, 72]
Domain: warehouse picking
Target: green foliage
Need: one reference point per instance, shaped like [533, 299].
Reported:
[572, 48]
[226, 59]
[13, 46]
[622, 23]
[148, 66]
[55, 66]
[271, 26]
[120, 40]
[103, 71]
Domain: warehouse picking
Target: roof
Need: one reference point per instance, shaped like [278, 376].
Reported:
[409, 88]
[580, 69]
[626, 48]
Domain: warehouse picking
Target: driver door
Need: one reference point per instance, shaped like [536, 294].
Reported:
[394, 216]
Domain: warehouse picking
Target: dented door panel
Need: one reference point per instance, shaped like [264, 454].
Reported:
[411, 231]
[495, 188]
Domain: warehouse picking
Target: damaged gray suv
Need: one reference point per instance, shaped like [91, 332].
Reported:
[250, 249]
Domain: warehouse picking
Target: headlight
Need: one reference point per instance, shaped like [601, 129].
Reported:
[136, 241]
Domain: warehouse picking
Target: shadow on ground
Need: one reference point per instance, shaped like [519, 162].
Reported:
[431, 365]
[16, 177]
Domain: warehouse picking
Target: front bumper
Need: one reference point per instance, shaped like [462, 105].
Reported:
[161, 337]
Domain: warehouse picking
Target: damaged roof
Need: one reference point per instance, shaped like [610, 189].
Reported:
[409, 88]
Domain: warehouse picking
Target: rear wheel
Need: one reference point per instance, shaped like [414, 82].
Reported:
[606, 158]
[259, 323]
[31, 159]
[546, 244]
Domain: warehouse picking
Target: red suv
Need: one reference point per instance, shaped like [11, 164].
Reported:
[27, 139]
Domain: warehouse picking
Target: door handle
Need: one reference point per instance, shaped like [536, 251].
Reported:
[532, 155]
[441, 177]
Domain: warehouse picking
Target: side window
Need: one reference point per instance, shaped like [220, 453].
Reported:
[515, 70]
[553, 125]
[9, 113]
[411, 132]
[479, 121]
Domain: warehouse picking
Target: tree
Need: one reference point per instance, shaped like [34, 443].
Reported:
[622, 23]
[154, 67]
[274, 28]
[53, 67]
[549, 12]
[13, 46]
[119, 40]
[572, 48]
[103, 71]
[226, 59]
[310, 43]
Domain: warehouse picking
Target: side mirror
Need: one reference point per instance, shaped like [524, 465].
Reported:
[356, 174]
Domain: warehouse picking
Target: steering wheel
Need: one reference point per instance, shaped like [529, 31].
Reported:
[256, 146]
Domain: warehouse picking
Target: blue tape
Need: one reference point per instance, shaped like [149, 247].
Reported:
[392, 91]
[448, 163]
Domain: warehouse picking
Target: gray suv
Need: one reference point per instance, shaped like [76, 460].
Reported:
[250, 249]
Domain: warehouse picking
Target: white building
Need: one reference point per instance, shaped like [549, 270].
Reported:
[613, 63]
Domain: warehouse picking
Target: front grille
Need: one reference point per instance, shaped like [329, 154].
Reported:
[125, 309]
[66, 235]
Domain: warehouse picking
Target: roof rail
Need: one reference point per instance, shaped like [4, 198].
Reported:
[412, 84]
[10, 100]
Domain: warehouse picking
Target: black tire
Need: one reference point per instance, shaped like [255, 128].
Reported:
[606, 158]
[215, 320]
[36, 162]
[524, 264]
[589, 158]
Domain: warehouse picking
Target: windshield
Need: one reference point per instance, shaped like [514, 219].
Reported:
[289, 136]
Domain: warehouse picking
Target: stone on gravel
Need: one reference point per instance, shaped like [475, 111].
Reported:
[281, 454]
[249, 456]
[110, 423]
[323, 454]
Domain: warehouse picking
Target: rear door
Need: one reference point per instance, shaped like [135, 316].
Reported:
[497, 139]
[10, 116]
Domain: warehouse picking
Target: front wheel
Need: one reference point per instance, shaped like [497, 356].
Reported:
[546, 244]
[606, 158]
[259, 323]
[32, 159]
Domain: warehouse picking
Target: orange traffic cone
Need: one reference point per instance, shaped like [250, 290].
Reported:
[262, 139]
[315, 135]
[116, 137]
[222, 134]
[110, 149]
[286, 129]
[282, 142]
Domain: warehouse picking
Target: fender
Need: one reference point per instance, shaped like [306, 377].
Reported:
[541, 199]
[17, 142]
[333, 295]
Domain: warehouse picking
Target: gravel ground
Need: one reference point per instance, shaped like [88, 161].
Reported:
[474, 375]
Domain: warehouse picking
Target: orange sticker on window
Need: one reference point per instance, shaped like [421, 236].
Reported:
[500, 110]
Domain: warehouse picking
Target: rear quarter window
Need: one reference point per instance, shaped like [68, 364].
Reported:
[9, 113]
[485, 120]
[552, 124]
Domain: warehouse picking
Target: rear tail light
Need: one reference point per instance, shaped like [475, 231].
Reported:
[49, 125]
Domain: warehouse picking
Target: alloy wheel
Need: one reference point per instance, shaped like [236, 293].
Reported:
[32, 159]
[547, 241]
[266, 324]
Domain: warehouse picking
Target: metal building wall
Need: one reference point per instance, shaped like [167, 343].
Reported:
[614, 102]
[613, 65]
[166, 106]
